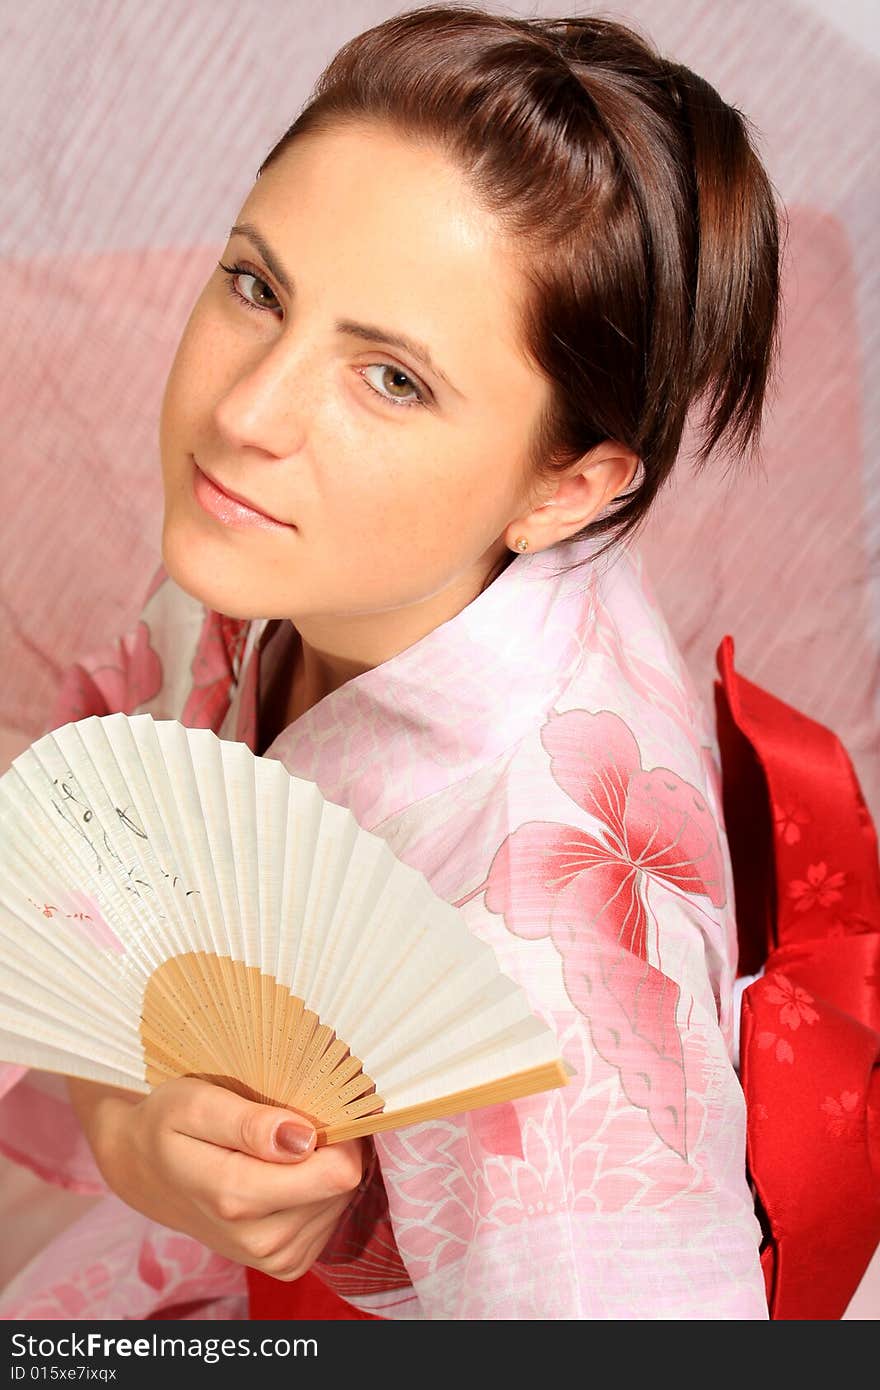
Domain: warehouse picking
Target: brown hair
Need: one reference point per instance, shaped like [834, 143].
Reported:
[647, 223]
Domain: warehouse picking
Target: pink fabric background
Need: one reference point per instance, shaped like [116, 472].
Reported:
[132, 134]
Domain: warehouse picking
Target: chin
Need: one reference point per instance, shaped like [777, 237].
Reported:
[192, 567]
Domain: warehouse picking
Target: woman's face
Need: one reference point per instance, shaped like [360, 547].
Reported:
[399, 491]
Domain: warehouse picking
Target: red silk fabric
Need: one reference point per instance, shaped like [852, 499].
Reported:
[807, 883]
[303, 1299]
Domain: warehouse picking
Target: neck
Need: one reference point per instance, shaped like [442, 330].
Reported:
[321, 657]
[334, 649]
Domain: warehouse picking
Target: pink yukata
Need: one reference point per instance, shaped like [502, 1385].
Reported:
[545, 761]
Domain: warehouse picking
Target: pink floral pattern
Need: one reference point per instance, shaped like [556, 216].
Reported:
[845, 1115]
[119, 677]
[658, 675]
[788, 820]
[819, 889]
[782, 1048]
[795, 1008]
[578, 1157]
[138, 1269]
[589, 894]
[796, 1004]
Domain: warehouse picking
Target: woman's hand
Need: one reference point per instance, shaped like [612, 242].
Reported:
[199, 1158]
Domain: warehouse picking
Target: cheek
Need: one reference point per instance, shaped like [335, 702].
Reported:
[416, 519]
[187, 378]
[384, 488]
[409, 495]
[172, 419]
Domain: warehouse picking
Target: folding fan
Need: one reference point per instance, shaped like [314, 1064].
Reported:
[172, 904]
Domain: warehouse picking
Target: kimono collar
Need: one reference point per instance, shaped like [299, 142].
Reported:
[456, 699]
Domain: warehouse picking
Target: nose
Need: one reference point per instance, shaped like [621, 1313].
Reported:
[264, 405]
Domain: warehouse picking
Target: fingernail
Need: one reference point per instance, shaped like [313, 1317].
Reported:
[293, 1138]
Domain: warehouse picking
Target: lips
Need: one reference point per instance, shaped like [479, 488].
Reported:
[237, 497]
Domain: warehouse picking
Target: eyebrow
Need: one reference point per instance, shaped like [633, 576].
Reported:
[369, 331]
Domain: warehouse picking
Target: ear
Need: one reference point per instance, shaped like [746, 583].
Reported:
[571, 500]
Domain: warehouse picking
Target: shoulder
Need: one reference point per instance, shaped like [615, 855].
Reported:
[607, 807]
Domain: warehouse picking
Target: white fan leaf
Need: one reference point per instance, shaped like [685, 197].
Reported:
[170, 903]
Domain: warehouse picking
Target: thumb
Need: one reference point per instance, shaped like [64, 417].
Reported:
[221, 1115]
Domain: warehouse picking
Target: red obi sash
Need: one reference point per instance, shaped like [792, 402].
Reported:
[303, 1299]
[807, 884]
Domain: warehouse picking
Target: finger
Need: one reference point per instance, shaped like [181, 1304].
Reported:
[234, 1186]
[203, 1110]
[286, 1243]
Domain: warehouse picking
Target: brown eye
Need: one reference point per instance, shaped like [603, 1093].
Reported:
[235, 272]
[392, 379]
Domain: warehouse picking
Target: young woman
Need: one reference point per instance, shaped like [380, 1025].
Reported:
[415, 420]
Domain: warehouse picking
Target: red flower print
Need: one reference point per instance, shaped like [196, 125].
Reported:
[498, 1129]
[149, 1266]
[122, 676]
[795, 1001]
[819, 889]
[789, 819]
[587, 893]
[216, 667]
